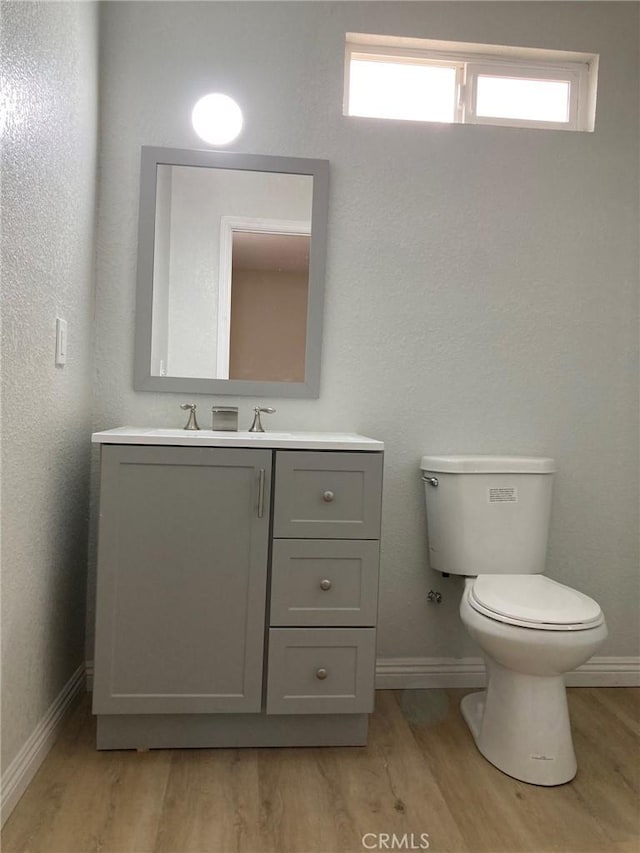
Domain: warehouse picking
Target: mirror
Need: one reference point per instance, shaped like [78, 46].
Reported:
[230, 273]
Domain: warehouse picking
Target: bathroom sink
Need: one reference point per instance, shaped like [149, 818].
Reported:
[203, 433]
[298, 440]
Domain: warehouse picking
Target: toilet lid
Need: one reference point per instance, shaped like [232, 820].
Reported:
[534, 601]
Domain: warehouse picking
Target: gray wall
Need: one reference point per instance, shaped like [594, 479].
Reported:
[481, 282]
[49, 70]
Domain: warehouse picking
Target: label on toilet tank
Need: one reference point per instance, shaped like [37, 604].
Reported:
[503, 495]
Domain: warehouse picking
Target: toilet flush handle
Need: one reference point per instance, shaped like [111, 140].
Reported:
[433, 481]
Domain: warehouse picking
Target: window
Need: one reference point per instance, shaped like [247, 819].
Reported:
[454, 82]
[383, 88]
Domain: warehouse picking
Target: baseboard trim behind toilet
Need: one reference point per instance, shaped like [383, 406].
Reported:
[422, 673]
[25, 765]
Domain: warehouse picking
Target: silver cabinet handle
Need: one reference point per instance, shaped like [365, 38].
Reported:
[325, 584]
[261, 493]
[328, 496]
[321, 673]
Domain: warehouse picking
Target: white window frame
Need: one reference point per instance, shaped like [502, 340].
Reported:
[560, 73]
[409, 57]
[580, 70]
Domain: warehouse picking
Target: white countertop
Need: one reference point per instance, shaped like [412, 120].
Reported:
[210, 438]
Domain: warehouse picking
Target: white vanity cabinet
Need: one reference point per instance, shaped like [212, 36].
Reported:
[236, 590]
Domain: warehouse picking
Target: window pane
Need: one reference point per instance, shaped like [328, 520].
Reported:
[401, 90]
[522, 98]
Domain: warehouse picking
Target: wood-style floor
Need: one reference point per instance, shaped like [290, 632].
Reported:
[420, 774]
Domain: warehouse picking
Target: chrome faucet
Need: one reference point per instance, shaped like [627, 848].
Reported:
[256, 426]
[192, 423]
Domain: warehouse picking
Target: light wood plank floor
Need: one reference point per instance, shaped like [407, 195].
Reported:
[420, 774]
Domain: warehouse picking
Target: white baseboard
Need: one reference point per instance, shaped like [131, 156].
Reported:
[407, 673]
[606, 672]
[417, 673]
[26, 763]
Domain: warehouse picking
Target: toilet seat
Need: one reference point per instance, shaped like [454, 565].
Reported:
[533, 601]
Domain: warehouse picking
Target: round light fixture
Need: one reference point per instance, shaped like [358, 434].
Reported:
[217, 119]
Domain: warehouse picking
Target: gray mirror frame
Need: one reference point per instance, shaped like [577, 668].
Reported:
[151, 158]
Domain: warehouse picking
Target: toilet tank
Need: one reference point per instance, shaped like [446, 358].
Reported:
[488, 514]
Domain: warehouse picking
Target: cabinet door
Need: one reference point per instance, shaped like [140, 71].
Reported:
[182, 564]
[327, 495]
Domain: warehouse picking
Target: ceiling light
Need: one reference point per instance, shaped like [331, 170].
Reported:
[217, 119]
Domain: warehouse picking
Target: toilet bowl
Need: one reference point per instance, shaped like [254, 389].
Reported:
[520, 723]
[487, 520]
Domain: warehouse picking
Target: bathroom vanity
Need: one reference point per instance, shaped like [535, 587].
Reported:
[237, 588]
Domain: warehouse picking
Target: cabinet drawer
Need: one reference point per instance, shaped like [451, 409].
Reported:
[324, 582]
[327, 495]
[321, 670]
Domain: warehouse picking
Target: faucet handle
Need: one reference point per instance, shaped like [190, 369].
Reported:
[256, 426]
[192, 423]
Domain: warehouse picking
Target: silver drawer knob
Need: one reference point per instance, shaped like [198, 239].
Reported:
[321, 673]
[328, 496]
[325, 584]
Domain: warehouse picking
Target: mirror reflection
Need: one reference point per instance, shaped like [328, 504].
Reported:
[230, 274]
[269, 290]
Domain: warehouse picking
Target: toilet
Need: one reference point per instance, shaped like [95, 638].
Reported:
[488, 520]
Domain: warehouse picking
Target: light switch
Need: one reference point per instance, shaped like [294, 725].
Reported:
[61, 341]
